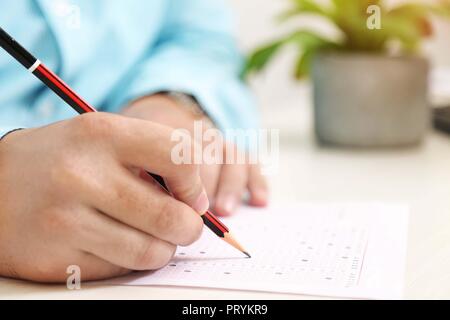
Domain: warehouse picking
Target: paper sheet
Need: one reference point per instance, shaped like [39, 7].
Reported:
[345, 250]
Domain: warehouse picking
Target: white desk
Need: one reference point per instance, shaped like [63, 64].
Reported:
[418, 176]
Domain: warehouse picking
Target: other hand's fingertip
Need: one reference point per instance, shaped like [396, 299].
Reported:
[259, 198]
[225, 205]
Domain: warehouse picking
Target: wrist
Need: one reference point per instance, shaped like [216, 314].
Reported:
[171, 109]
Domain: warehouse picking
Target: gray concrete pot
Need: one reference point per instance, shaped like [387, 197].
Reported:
[366, 100]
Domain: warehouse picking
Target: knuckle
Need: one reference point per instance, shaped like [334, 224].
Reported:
[192, 168]
[180, 223]
[95, 125]
[188, 192]
[165, 256]
[152, 255]
[144, 256]
[63, 171]
[68, 177]
[56, 221]
[167, 218]
[197, 149]
[187, 170]
[187, 150]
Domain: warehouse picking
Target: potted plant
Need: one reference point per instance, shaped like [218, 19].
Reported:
[370, 83]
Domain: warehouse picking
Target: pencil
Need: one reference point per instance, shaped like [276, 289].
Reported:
[52, 81]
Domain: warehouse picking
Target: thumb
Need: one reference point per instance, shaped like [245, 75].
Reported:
[186, 186]
[183, 179]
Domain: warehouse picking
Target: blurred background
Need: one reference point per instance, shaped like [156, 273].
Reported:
[279, 95]
[309, 172]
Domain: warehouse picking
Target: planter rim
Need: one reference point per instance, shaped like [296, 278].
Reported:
[370, 55]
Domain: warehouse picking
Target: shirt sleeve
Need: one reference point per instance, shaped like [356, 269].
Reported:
[196, 54]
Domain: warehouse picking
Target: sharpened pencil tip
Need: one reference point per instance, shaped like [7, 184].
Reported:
[228, 238]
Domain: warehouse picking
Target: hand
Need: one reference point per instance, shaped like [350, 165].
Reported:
[226, 184]
[68, 196]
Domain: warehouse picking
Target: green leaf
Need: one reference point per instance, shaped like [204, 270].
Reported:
[351, 19]
[303, 65]
[305, 40]
[309, 44]
[308, 50]
[404, 30]
[258, 60]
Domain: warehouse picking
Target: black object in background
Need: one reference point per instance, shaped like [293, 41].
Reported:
[441, 119]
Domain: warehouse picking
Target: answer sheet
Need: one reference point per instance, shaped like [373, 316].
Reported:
[344, 250]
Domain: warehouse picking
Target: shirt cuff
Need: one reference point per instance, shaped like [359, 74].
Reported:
[4, 131]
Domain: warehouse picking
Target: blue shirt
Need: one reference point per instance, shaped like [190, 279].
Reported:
[111, 52]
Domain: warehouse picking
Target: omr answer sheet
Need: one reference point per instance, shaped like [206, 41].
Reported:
[344, 250]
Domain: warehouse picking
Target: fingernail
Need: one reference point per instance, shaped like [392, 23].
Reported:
[202, 203]
[228, 204]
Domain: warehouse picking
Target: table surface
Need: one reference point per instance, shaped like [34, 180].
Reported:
[309, 172]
